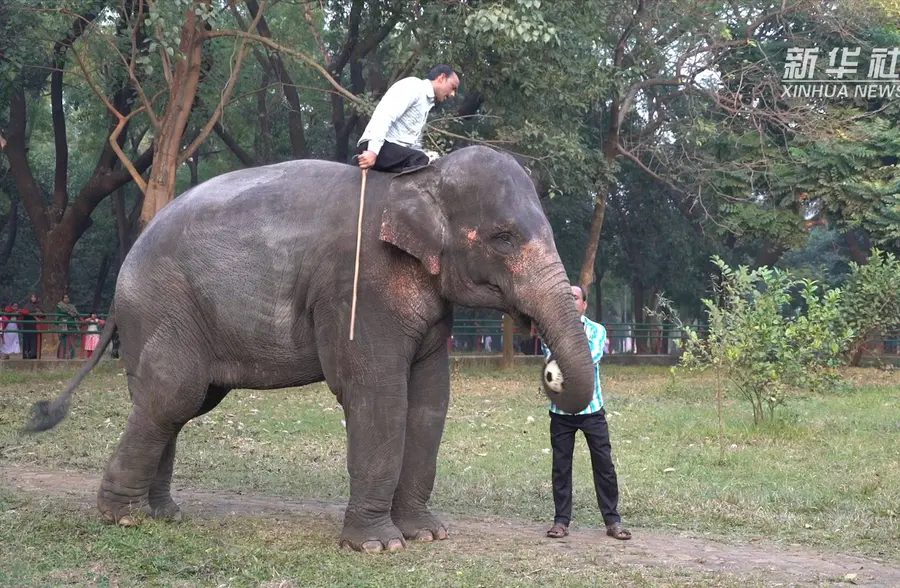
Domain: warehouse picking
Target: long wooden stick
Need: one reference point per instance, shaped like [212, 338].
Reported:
[362, 202]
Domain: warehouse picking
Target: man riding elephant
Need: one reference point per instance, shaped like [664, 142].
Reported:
[392, 141]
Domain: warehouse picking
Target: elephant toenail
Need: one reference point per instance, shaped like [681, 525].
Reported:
[424, 535]
[396, 545]
[372, 546]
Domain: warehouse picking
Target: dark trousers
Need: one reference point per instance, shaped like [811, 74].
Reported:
[29, 341]
[396, 158]
[562, 439]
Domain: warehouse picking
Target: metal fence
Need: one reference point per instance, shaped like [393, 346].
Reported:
[486, 336]
[469, 336]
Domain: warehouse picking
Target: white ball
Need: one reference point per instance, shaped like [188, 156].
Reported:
[553, 377]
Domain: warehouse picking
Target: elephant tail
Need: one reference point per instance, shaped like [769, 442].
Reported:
[48, 414]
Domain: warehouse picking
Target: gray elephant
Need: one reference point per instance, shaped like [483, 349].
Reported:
[245, 282]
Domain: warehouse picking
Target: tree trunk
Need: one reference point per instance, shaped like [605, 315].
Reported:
[641, 335]
[161, 185]
[295, 117]
[194, 165]
[860, 256]
[12, 224]
[768, 255]
[263, 133]
[508, 347]
[586, 278]
[102, 276]
[235, 148]
[122, 227]
[56, 253]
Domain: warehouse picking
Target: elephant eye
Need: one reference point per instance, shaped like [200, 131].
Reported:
[503, 242]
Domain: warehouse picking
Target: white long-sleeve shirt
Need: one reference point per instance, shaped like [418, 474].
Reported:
[401, 115]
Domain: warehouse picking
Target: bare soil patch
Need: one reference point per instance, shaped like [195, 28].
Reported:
[792, 565]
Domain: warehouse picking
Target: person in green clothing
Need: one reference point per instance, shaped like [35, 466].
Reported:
[68, 317]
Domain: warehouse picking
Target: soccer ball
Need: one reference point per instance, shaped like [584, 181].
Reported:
[553, 378]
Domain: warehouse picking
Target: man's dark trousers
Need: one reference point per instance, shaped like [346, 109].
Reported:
[396, 158]
[563, 428]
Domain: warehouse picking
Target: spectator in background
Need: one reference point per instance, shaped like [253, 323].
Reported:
[9, 332]
[30, 313]
[68, 323]
[93, 337]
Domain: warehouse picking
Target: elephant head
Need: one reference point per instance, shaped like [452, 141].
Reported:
[474, 220]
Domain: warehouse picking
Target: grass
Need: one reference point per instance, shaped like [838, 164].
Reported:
[827, 475]
[52, 545]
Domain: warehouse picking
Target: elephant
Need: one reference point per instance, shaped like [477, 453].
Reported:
[245, 282]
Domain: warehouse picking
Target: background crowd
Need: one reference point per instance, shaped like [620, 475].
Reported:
[22, 328]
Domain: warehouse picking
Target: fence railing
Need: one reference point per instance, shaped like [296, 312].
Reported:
[486, 336]
[73, 338]
[72, 335]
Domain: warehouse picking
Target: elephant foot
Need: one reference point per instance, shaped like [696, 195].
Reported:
[123, 515]
[124, 509]
[420, 526]
[372, 539]
[164, 508]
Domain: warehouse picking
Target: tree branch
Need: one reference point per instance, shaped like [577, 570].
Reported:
[226, 92]
[232, 144]
[12, 224]
[625, 105]
[352, 39]
[105, 183]
[61, 173]
[288, 51]
[380, 35]
[114, 136]
[628, 154]
[307, 13]
[17, 152]
[299, 146]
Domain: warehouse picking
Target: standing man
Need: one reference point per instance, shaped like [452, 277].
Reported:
[592, 422]
[392, 140]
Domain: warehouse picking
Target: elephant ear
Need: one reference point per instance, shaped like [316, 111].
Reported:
[412, 219]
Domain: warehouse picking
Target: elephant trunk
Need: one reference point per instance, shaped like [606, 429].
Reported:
[550, 304]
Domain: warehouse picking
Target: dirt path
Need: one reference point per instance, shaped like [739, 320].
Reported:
[777, 564]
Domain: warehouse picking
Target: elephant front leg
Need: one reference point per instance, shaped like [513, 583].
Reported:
[376, 422]
[428, 399]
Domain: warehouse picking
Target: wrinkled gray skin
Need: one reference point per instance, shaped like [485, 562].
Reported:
[246, 282]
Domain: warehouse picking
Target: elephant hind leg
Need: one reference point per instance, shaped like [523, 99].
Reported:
[163, 401]
[161, 503]
[133, 467]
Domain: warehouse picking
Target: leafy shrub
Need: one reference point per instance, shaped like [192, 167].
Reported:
[871, 300]
[763, 343]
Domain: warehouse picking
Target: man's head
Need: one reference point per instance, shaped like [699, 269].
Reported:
[578, 296]
[445, 82]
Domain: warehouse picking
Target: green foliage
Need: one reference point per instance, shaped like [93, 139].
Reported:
[854, 178]
[522, 20]
[765, 343]
[871, 301]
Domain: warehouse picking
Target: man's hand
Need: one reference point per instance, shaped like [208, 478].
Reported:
[366, 159]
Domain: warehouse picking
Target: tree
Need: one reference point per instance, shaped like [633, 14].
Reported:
[58, 222]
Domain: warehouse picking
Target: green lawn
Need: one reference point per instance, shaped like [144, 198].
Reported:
[827, 475]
